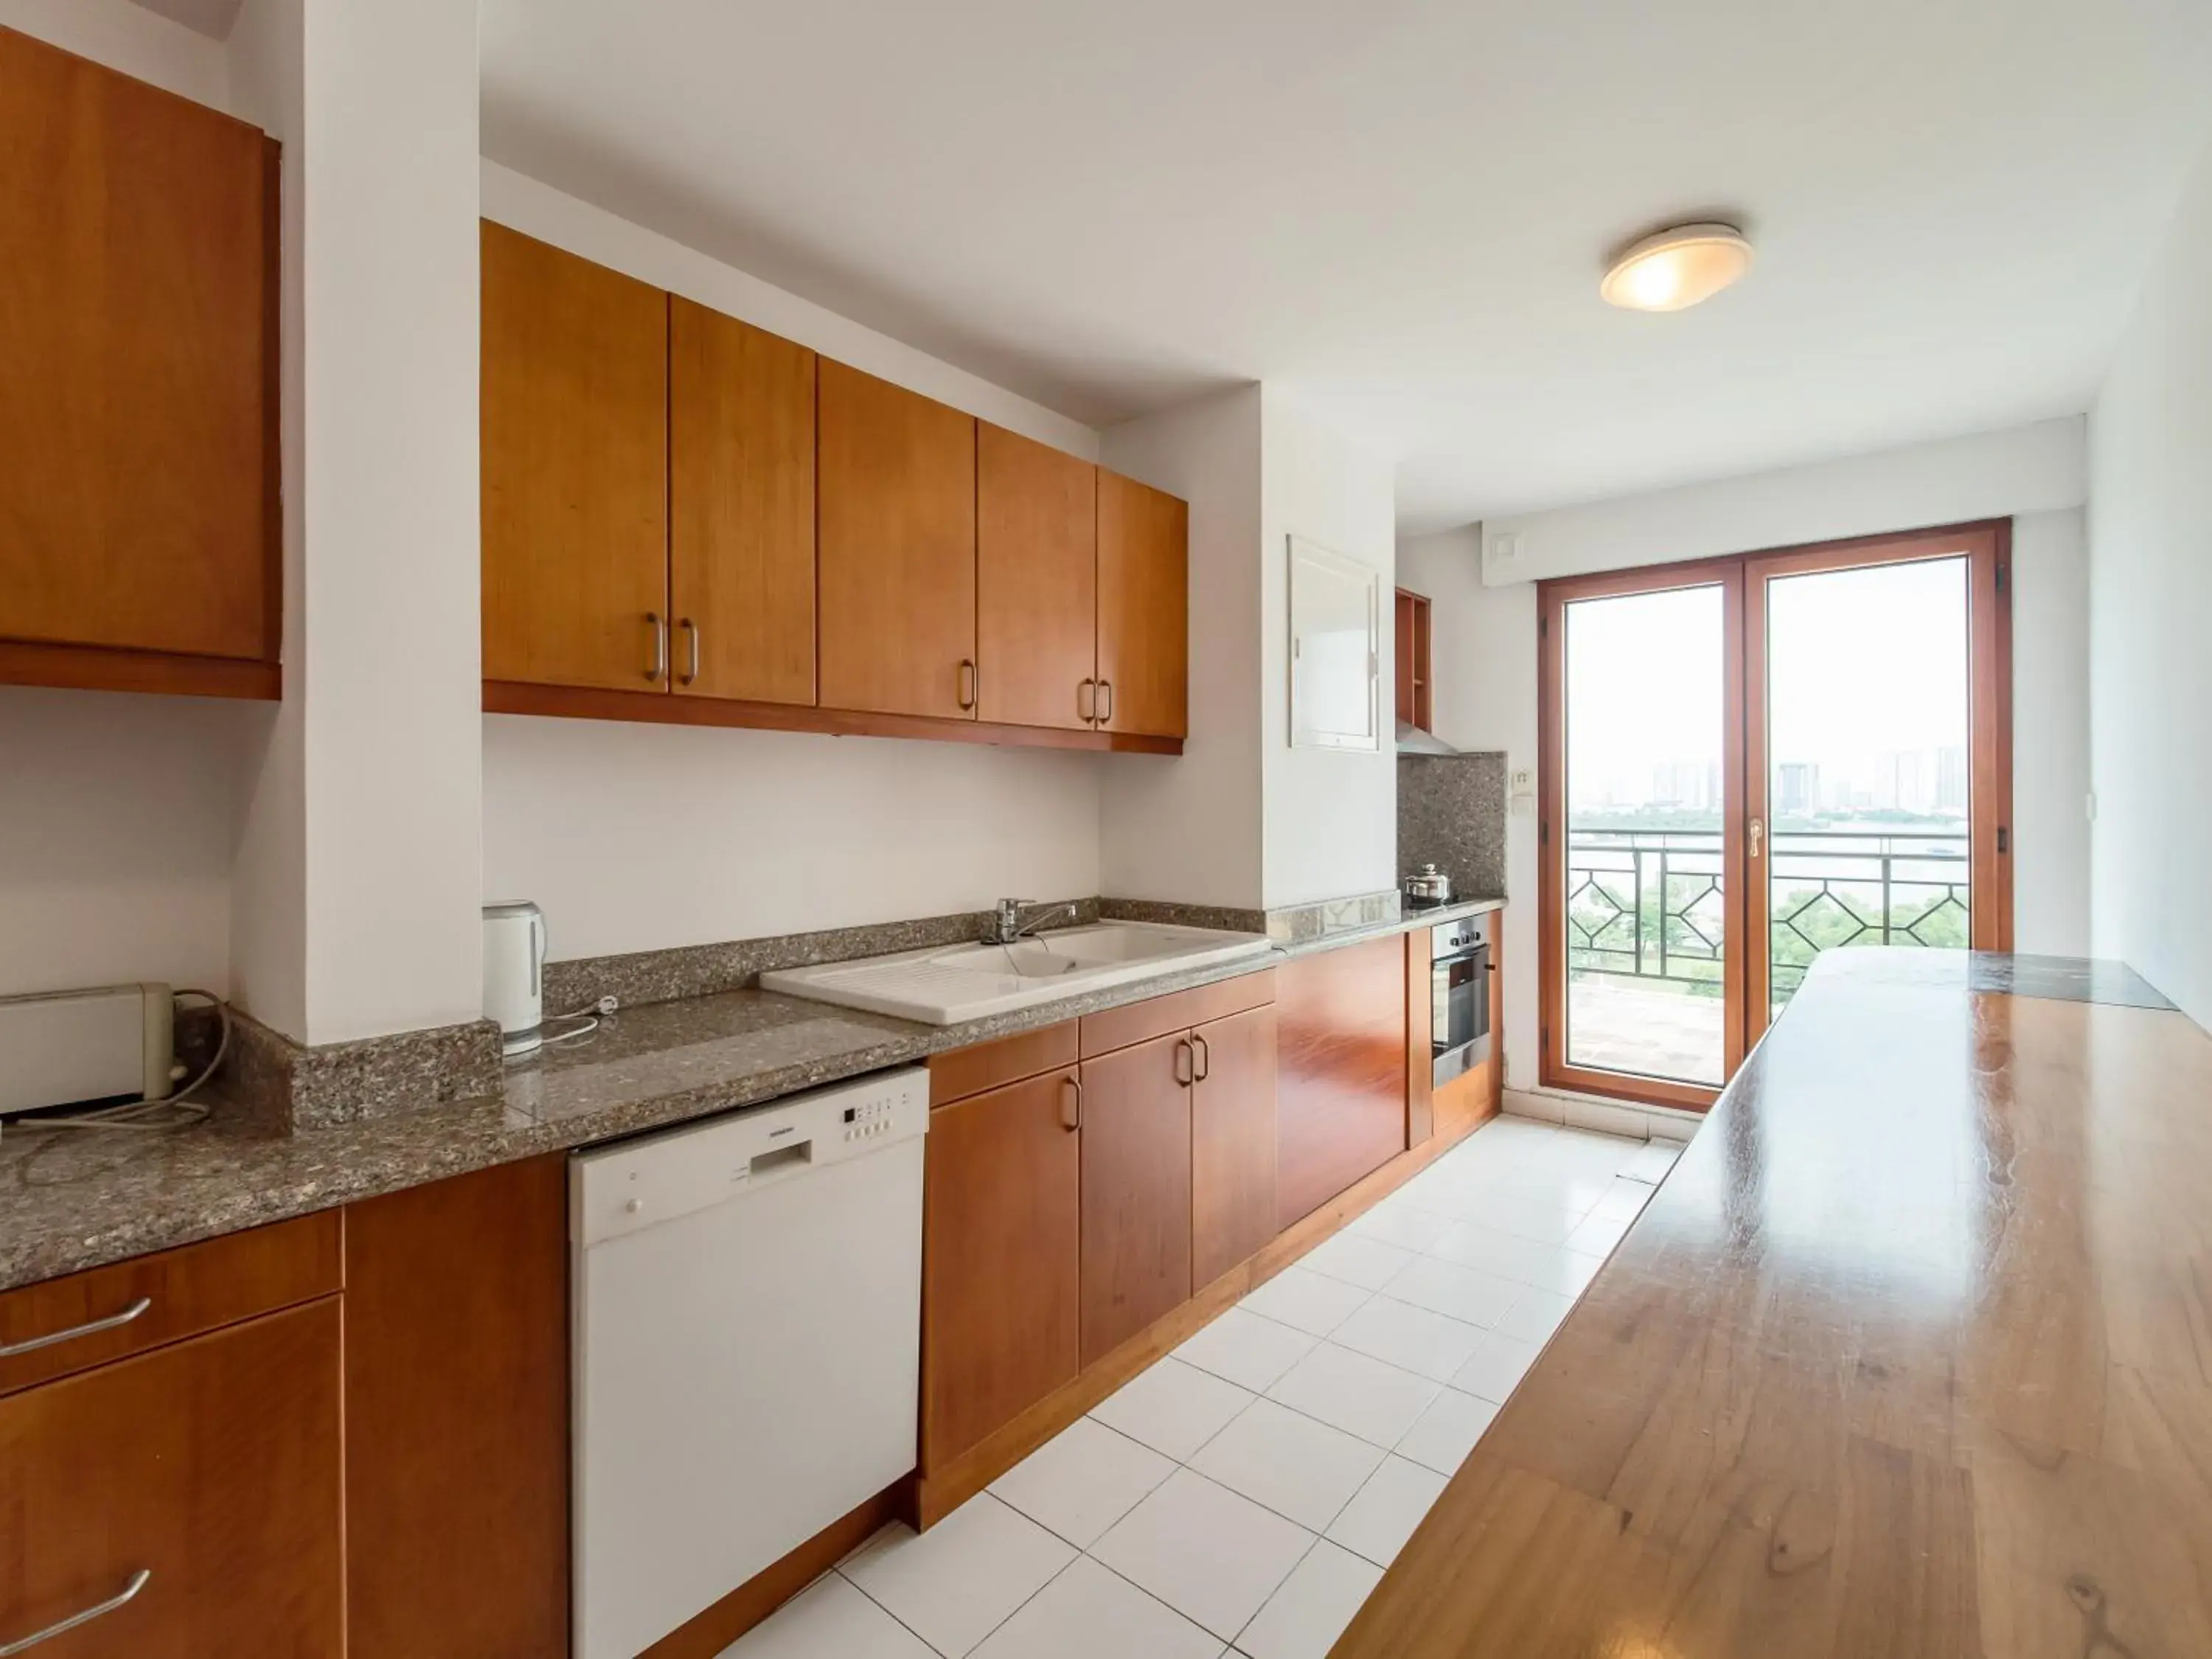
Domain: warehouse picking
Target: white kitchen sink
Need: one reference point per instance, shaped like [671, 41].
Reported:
[946, 984]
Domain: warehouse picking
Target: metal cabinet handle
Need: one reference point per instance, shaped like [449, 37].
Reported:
[1204, 1056]
[658, 668]
[1106, 690]
[971, 681]
[24, 1644]
[1071, 1102]
[691, 649]
[1186, 1067]
[1086, 701]
[8, 1351]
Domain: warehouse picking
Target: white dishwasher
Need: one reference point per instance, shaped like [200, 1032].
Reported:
[747, 1331]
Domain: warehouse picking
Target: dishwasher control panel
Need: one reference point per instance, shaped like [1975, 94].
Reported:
[641, 1183]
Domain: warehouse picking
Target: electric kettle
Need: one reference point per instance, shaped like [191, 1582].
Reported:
[514, 974]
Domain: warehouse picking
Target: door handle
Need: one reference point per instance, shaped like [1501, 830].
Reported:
[1758, 834]
[1071, 1102]
[1086, 701]
[1106, 690]
[658, 667]
[1204, 1057]
[691, 649]
[113, 1321]
[971, 681]
[1186, 1066]
[24, 1644]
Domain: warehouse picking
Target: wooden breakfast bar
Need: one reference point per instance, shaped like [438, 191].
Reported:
[1911, 1355]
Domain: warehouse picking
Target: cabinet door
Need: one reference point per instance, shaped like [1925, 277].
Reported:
[741, 509]
[138, 455]
[897, 549]
[1143, 603]
[1233, 1143]
[1340, 1100]
[1000, 1287]
[1136, 1189]
[1036, 581]
[574, 423]
[213, 1467]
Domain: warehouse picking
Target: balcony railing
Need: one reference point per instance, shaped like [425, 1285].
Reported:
[1651, 903]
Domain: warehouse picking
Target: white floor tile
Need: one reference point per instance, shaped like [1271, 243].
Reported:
[1543, 1224]
[1652, 1160]
[1597, 1236]
[1246, 1349]
[1088, 1612]
[1536, 1315]
[1523, 1261]
[1445, 1287]
[1561, 1271]
[1208, 1553]
[1443, 1435]
[1379, 1519]
[1081, 1480]
[830, 1619]
[1413, 1339]
[1304, 1470]
[1353, 1392]
[1173, 1407]
[1303, 1620]
[1623, 1201]
[1499, 1364]
[1308, 1301]
[1405, 1224]
[1357, 1259]
[956, 1583]
[1585, 1153]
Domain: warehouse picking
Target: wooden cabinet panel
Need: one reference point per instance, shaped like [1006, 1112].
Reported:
[212, 1465]
[1177, 1012]
[741, 509]
[898, 549]
[575, 469]
[1001, 1284]
[958, 1073]
[1232, 1142]
[1136, 1189]
[456, 1417]
[1036, 581]
[138, 326]
[1421, 1043]
[1341, 1107]
[1144, 599]
[188, 1291]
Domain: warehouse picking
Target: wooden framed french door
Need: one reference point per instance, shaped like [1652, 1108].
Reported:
[1746, 761]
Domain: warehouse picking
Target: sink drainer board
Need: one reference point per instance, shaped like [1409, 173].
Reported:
[945, 986]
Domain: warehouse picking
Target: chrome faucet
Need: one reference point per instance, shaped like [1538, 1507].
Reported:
[1007, 926]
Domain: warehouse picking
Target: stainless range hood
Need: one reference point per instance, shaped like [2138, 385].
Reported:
[1411, 740]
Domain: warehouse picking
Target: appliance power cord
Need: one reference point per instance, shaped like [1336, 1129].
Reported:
[175, 1111]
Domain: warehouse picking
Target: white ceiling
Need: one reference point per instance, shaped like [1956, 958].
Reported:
[212, 18]
[1399, 208]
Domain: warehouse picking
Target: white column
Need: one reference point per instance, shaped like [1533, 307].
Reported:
[358, 875]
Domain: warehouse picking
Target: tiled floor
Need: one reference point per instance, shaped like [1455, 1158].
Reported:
[1243, 1496]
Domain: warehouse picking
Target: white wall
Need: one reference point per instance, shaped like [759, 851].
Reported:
[1485, 664]
[117, 835]
[2037, 468]
[129, 38]
[1189, 831]
[2150, 641]
[1331, 821]
[639, 837]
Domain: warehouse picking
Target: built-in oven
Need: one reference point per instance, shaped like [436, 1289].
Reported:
[1459, 992]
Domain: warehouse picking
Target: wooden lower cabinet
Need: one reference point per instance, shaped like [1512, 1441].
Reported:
[1232, 1142]
[1341, 1089]
[1001, 1280]
[1136, 1189]
[211, 1465]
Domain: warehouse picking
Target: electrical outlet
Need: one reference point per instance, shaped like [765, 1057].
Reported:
[1523, 780]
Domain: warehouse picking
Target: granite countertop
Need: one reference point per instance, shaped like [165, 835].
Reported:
[78, 1198]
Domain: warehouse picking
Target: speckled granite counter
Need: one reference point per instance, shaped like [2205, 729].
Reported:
[71, 1200]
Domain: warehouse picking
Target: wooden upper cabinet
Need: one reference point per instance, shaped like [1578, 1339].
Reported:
[1136, 1189]
[1144, 556]
[741, 505]
[139, 487]
[897, 549]
[1000, 1284]
[576, 470]
[1036, 581]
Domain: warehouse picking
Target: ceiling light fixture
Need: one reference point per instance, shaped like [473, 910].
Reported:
[1674, 270]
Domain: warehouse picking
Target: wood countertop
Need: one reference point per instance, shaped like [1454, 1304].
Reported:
[1911, 1355]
